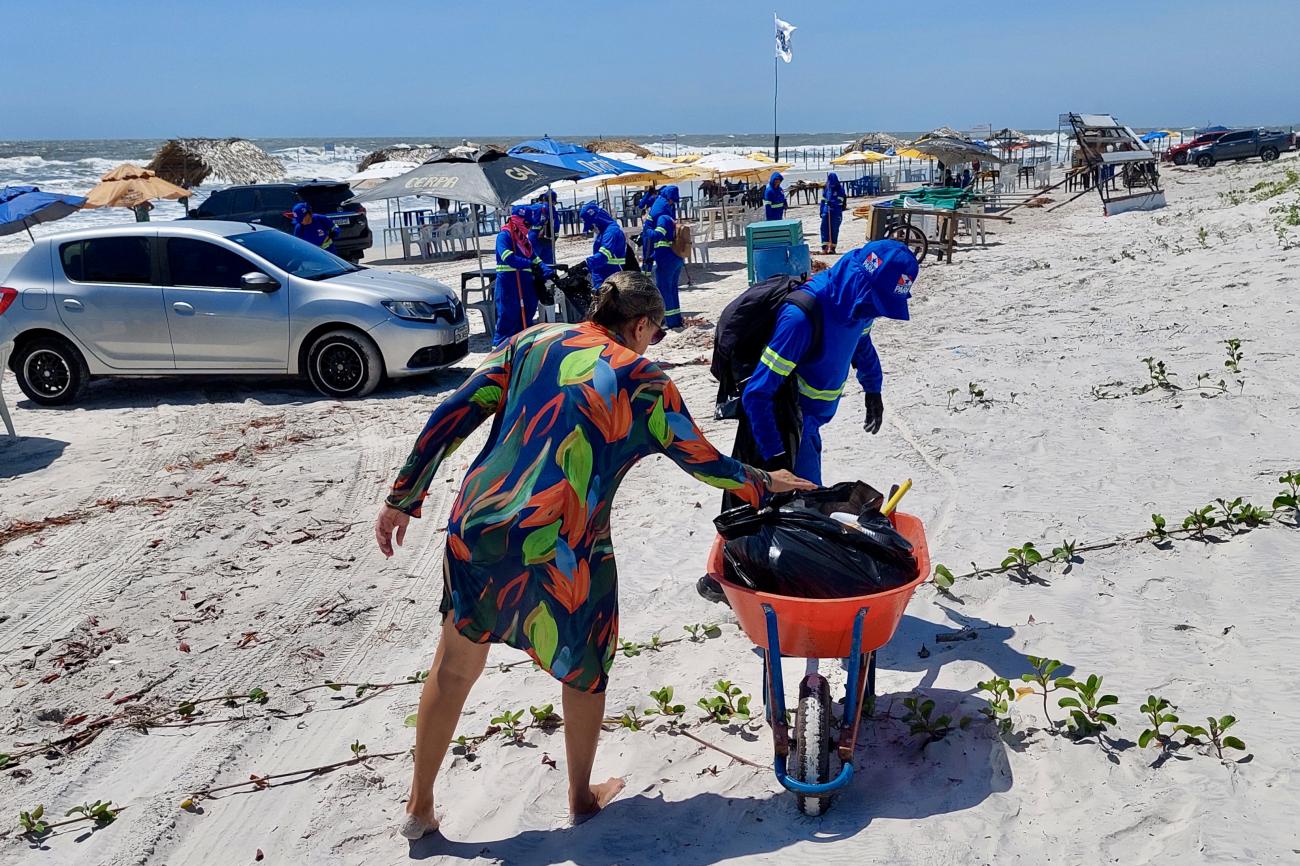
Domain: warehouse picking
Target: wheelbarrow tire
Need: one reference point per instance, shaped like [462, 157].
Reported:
[913, 237]
[812, 725]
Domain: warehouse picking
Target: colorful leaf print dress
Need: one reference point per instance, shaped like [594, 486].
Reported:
[529, 559]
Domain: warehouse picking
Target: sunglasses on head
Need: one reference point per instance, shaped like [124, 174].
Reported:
[660, 332]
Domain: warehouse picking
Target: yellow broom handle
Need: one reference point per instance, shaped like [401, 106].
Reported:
[898, 495]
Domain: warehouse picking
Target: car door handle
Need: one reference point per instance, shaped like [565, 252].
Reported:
[73, 304]
[183, 308]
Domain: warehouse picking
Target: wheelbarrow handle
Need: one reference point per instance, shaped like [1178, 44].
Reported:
[845, 776]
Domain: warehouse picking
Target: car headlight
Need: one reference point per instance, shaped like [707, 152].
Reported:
[423, 311]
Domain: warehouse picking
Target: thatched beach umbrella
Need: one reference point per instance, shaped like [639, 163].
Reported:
[620, 145]
[419, 153]
[188, 162]
[946, 132]
[414, 153]
[130, 185]
[877, 141]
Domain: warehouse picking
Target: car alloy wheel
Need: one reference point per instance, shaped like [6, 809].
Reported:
[340, 367]
[48, 373]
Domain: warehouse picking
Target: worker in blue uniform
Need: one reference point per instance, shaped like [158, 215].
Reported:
[774, 198]
[518, 267]
[647, 204]
[313, 228]
[868, 283]
[871, 282]
[668, 265]
[546, 225]
[608, 245]
[834, 200]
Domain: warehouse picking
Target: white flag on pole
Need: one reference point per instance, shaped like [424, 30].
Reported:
[783, 31]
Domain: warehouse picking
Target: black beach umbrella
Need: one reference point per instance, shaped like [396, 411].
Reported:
[485, 177]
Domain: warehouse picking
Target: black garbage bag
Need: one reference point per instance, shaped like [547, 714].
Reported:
[794, 547]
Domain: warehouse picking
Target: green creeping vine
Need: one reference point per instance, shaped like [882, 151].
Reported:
[1155, 710]
[1214, 734]
[1087, 716]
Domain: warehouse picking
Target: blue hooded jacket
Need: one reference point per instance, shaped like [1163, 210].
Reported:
[774, 198]
[834, 200]
[510, 259]
[664, 215]
[321, 231]
[868, 283]
[608, 247]
[665, 203]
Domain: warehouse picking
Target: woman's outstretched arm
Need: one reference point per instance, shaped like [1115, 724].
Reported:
[677, 436]
[478, 399]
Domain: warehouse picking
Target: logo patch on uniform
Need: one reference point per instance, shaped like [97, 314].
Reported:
[904, 286]
[871, 262]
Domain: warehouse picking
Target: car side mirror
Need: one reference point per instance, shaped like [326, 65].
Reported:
[258, 282]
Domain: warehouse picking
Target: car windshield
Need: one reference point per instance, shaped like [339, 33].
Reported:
[296, 256]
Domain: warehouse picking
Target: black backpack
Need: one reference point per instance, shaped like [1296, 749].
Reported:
[746, 325]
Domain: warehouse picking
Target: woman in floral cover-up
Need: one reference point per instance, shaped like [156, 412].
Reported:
[529, 559]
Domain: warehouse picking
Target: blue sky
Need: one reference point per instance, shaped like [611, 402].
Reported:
[142, 68]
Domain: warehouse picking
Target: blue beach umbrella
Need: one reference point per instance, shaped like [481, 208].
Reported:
[562, 154]
[22, 207]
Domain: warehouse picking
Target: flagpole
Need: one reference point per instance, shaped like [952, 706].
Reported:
[776, 84]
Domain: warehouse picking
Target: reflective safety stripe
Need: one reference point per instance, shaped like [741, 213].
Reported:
[661, 230]
[537, 260]
[867, 329]
[773, 203]
[817, 393]
[609, 257]
[774, 362]
[660, 244]
[501, 269]
[676, 312]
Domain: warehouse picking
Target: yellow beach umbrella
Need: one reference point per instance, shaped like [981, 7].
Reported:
[760, 156]
[911, 153]
[857, 156]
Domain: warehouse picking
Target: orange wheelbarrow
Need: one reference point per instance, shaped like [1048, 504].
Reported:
[851, 629]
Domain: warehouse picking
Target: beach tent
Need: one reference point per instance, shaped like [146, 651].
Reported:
[22, 207]
[129, 185]
[188, 162]
[1155, 135]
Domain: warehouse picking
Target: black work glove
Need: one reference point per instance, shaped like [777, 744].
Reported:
[875, 413]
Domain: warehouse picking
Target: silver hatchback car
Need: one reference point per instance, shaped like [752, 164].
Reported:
[199, 297]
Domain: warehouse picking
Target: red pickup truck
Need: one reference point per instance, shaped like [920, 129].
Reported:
[1178, 153]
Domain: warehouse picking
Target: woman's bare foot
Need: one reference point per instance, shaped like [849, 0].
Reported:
[597, 797]
[418, 822]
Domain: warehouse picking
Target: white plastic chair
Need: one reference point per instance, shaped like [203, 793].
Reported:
[699, 249]
[5, 349]
[411, 236]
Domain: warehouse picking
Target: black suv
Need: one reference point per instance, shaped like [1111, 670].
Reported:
[271, 204]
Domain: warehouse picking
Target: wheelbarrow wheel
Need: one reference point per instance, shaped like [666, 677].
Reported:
[812, 725]
[913, 237]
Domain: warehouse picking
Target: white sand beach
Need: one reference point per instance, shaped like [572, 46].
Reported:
[181, 540]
